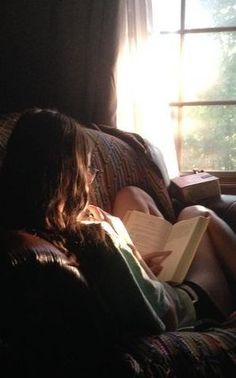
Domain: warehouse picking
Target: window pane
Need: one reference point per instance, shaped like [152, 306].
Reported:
[209, 62]
[168, 51]
[209, 138]
[167, 14]
[210, 13]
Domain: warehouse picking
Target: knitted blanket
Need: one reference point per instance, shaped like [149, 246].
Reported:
[210, 353]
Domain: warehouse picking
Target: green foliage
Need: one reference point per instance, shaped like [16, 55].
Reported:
[211, 144]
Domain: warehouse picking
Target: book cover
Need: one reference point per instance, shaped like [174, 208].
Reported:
[150, 234]
[192, 188]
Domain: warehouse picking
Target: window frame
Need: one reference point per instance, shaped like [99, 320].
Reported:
[227, 178]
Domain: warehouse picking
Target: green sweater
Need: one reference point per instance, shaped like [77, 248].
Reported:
[133, 301]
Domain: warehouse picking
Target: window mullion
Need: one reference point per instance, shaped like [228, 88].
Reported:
[179, 139]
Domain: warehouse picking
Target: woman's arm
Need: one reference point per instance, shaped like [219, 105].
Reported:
[169, 317]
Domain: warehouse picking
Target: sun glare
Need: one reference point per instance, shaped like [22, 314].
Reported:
[200, 65]
[149, 74]
[196, 15]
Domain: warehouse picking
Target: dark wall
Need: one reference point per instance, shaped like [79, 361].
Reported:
[40, 63]
[59, 53]
[26, 35]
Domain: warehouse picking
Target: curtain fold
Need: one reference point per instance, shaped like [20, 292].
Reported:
[81, 56]
[87, 31]
[141, 103]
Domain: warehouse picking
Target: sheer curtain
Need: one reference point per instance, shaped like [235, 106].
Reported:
[141, 103]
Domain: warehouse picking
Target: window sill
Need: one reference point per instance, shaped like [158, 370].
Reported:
[227, 180]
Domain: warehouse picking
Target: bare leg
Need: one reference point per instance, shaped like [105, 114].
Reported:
[215, 260]
[222, 238]
[134, 198]
[215, 256]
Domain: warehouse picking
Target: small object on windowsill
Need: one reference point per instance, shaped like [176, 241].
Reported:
[195, 170]
[194, 187]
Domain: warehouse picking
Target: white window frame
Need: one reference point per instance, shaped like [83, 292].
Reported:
[227, 178]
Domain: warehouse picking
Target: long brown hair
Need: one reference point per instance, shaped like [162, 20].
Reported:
[43, 180]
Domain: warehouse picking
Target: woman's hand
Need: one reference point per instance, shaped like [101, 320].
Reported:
[154, 260]
[100, 215]
[96, 212]
[151, 262]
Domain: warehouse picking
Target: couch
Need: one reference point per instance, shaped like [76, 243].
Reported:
[48, 325]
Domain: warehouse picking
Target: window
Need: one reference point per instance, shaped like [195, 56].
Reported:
[198, 49]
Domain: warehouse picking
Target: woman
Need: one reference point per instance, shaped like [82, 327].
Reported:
[212, 271]
[44, 189]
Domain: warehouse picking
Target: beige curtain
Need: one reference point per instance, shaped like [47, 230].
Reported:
[87, 32]
[141, 103]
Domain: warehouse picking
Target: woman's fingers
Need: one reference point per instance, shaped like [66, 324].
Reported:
[156, 256]
[156, 269]
[154, 260]
[96, 213]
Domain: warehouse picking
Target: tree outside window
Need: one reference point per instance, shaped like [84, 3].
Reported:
[199, 55]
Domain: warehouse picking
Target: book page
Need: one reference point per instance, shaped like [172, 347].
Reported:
[177, 244]
[191, 247]
[149, 233]
[183, 240]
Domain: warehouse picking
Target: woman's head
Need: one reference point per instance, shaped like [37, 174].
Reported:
[44, 179]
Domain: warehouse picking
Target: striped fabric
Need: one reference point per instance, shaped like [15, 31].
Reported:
[6, 125]
[210, 353]
[119, 163]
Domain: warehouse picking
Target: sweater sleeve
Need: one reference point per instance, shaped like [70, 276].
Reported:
[135, 302]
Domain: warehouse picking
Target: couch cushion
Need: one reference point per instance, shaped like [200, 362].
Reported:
[119, 163]
[7, 124]
[202, 354]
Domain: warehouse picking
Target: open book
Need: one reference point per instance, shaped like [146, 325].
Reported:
[150, 234]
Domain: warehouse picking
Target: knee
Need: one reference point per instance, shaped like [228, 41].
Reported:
[127, 195]
[194, 211]
[128, 191]
[128, 198]
[134, 198]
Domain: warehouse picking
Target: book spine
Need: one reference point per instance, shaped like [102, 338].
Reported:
[198, 191]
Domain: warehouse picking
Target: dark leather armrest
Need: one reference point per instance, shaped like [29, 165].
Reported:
[224, 206]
